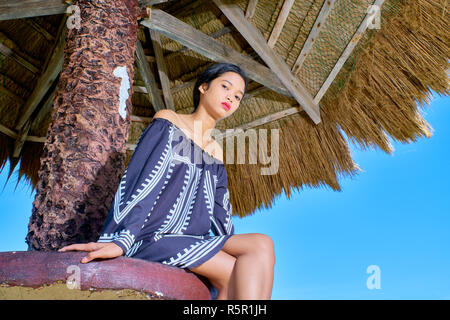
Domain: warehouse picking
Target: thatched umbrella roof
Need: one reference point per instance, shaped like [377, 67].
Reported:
[321, 71]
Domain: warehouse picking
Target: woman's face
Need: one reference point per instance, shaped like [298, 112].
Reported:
[224, 94]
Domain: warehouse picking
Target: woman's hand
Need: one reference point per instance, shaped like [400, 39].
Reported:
[96, 250]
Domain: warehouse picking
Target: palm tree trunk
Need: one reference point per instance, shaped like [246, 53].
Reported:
[85, 151]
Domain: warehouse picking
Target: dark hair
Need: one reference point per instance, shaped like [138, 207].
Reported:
[213, 71]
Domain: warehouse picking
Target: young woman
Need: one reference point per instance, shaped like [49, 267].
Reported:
[170, 209]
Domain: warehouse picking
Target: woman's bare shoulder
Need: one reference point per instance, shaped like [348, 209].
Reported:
[166, 114]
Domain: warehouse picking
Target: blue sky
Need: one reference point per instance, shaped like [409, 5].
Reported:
[395, 215]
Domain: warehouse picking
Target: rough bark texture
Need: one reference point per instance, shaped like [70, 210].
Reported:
[84, 154]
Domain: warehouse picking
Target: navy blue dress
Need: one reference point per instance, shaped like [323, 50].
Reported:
[172, 204]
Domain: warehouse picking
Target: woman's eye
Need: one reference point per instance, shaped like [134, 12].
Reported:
[224, 86]
[237, 97]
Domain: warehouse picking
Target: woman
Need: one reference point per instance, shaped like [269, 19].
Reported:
[168, 209]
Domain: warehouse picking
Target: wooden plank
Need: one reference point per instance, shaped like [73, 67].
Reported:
[147, 3]
[46, 108]
[12, 95]
[181, 9]
[214, 35]
[348, 50]
[21, 137]
[36, 26]
[140, 119]
[234, 13]
[259, 122]
[30, 8]
[313, 34]
[45, 80]
[281, 20]
[212, 49]
[17, 9]
[12, 134]
[153, 92]
[10, 49]
[251, 8]
[162, 70]
[8, 131]
[62, 28]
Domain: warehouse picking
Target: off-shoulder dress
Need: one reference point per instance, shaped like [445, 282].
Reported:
[172, 204]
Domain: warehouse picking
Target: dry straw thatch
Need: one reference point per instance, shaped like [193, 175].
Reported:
[376, 94]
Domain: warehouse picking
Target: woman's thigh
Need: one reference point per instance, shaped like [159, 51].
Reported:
[218, 269]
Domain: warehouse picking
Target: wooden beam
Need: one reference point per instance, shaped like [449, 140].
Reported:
[153, 92]
[12, 95]
[196, 40]
[147, 3]
[234, 13]
[53, 65]
[30, 8]
[251, 8]
[281, 20]
[21, 137]
[348, 50]
[313, 34]
[184, 9]
[17, 9]
[36, 26]
[8, 131]
[46, 108]
[162, 70]
[214, 35]
[45, 80]
[261, 121]
[10, 49]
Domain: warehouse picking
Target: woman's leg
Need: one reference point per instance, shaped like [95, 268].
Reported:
[252, 275]
[218, 271]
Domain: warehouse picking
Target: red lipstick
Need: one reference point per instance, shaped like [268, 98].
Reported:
[226, 105]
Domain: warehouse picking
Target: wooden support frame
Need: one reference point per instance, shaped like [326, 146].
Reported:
[153, 92]
[30, 8]
[46, 79]
[46, 108]
[313, 34]
[251, 8]
[12, 95]
[47, 35]
[281, 20]
[348, 50]
[234, 13]
[197, 41]
[18, 9]
[27, 62]
[162, 70]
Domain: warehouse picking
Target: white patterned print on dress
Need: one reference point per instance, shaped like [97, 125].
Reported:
[147, 186]
[124, 236]
[177, 220]
[195, 252]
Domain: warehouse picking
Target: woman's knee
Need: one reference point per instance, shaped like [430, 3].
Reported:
[264, 246]
[258, 245]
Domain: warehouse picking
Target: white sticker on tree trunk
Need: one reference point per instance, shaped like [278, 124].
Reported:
[121, 72]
